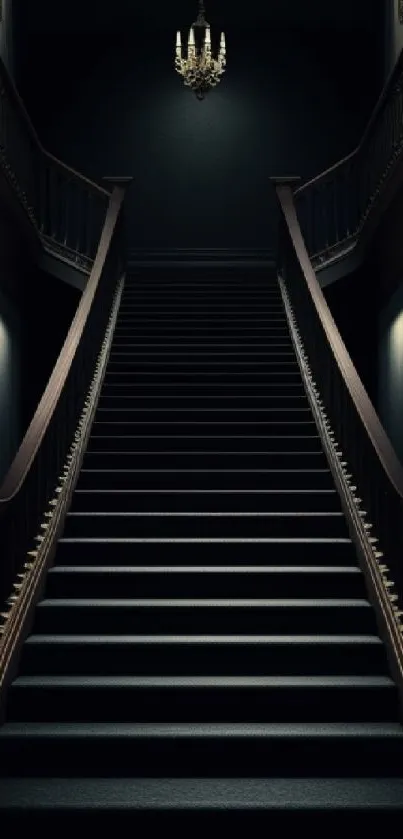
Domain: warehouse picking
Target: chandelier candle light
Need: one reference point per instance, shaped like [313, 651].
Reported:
[199, 69]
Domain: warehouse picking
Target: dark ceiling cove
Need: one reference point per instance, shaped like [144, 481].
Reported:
[89, 15]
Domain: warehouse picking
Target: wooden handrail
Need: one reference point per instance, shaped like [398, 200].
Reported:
[364, 407]
[393, 75]
[33, 438]
[12, 89]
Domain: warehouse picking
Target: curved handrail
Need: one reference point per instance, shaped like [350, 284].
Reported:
[393, 75]
[31, 443]
[8, 81]
[365, 409]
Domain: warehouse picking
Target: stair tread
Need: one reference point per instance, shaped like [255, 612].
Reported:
[213, 492]
[210, 603]
[213, 471]
[216, 794]
[303, 540]
[205, 569]
[119, 682]
[215, 514]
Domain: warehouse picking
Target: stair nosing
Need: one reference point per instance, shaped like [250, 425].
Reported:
[200, 640]
[203, 602]
[205, 569]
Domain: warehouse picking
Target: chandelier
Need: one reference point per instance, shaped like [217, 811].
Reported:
[199, 69]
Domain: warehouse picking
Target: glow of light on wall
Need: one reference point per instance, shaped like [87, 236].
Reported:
[4, 348]
[396, 342]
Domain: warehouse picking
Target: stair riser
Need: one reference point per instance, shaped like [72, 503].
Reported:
[201, 355]
[157, 309]
[202, 660]
[213, 292]
[224, 333]
[179, 430]
[205, 502]
[215, 585]
[235, 757]
[144, 401]
[199, 620]
[201, 309]
[261, 342]
[210, 285]
[204, 460]
[206, 553]
[204, 365]
[188, 479]
[193, 401]
[232, 416]
[203, 526]
[249, 389]
[200, 444]
[193, 376]
[203, 705]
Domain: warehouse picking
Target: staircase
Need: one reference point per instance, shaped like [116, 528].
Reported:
[204, 645]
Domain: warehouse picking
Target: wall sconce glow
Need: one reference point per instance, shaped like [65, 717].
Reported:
[396, 341]
[200, 71]
[4, 348]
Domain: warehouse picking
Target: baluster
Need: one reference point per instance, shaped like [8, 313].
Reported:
[87, 207]
[66, 213]
[2, 117]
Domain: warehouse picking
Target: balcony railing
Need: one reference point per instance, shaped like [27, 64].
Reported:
[66, 209]
[334, 207]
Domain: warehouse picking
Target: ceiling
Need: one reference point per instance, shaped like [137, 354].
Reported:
[92, 15]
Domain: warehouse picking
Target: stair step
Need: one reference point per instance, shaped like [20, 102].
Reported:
[203, 698]
[201, 749]
[206, 655]
[203, 581]
[132, 500]
[289, 551]
[343, 616]
[205, 479]
[171, 524]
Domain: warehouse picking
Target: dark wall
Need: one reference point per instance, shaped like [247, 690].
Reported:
[355, 301]
[368, 309]
[389, 261]
[48, 308]
[290, 102]
[12, 267]
[36, 311]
